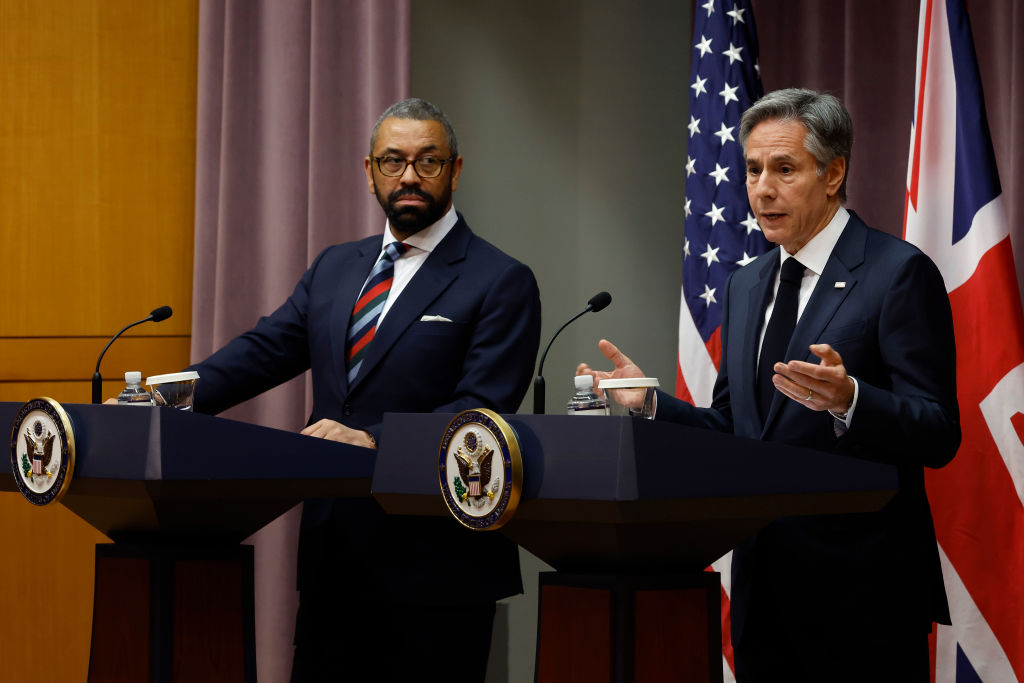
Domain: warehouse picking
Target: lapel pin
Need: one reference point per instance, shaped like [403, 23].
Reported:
[840, 285]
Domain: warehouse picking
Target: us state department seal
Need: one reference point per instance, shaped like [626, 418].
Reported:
[42, 451]
[480, 469]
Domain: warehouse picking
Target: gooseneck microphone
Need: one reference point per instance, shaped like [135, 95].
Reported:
[158, 315]
[598, 302]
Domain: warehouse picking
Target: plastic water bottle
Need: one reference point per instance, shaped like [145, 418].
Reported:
[133, 393]
[585, 401]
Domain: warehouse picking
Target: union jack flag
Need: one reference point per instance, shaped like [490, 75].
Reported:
[954, 212]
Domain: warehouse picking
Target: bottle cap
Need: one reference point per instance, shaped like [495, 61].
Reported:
[584, 382]
[134, 377]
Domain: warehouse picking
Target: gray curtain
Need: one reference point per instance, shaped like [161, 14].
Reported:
[864, 52]
[287, 95]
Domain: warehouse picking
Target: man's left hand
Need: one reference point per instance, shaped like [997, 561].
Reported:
[335, 431]
[823, 386]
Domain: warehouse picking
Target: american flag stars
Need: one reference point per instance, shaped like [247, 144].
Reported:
[733, 53]
[725, 134]
[723, 83]
[715, 214]
[720, 174]
[750, 223]
[698, 86]
[708, 296]
[736, 13]
[704, 46]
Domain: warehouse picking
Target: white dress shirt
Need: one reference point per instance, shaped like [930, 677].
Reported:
[420, 246]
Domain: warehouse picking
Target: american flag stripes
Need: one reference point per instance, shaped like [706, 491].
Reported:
[954, 212]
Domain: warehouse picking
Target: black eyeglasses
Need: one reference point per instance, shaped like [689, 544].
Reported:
[425, 167]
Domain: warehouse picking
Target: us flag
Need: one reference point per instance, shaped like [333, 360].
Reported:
[721, 233]
[954, 212]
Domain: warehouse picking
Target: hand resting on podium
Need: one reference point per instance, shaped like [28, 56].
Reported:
[335, 431]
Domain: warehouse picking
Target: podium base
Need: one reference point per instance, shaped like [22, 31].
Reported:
[172, 613]
[629, 629]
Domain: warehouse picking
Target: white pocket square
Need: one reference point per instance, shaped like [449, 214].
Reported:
[435, 319]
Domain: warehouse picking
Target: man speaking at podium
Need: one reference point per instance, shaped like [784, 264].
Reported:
[840, 340]
[427, 317]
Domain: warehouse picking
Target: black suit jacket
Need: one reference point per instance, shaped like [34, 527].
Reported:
[882, 305]
[482, 356]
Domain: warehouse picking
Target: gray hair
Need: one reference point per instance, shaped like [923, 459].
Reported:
[828, 124]
[418, 110]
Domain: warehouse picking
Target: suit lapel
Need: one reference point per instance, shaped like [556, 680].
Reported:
[756, 302]
[350, 282]
[433, 277]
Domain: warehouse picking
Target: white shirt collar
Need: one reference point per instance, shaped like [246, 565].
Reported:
[429, 237]
[814, 255]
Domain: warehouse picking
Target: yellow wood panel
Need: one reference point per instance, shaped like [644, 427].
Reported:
[97, 157]
[47, 568]
[64, 392]
[70, 358]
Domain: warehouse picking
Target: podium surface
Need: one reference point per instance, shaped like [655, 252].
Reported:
[148, 474]
[622, 494]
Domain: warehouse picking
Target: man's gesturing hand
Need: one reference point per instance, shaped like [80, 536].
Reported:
[823, 386]
[624, 367]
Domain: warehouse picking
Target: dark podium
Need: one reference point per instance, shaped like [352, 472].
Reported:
[630, 512]
[177, 492]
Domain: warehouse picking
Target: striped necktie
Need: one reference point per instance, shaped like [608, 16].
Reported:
[370, 303]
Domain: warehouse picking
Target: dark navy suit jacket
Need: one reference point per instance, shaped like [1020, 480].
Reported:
[483, 357]
[883, 306]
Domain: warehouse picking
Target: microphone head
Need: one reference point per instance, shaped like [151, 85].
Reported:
[162, 313]
[599, 301]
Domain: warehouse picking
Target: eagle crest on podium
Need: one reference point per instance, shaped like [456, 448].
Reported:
[39, 450]
[480, 469]
[42, 451]
[474, 461]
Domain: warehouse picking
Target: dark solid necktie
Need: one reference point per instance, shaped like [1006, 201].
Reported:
[780, 329]
[370, 303]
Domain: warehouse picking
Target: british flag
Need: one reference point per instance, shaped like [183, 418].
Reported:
[954, 212]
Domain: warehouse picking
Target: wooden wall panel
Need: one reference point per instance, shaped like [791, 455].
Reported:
[97, 163]
[31, 366]
[46, 584]
[97, 176]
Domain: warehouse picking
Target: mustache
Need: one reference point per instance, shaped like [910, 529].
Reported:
[409, 192]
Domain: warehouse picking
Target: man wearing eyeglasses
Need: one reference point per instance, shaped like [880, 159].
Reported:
[426, 317]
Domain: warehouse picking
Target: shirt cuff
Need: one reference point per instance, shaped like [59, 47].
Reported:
[847, 420]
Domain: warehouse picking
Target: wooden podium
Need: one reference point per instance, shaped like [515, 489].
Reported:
[630, 512]
[177, 492]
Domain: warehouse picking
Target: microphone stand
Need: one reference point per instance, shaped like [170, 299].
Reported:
[538, 382]
[597, 303]
[159, 314]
